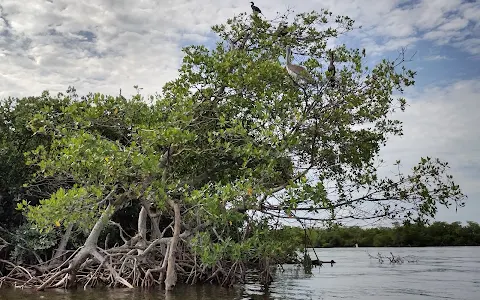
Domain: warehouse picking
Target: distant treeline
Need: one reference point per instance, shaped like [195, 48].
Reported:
[414, 235]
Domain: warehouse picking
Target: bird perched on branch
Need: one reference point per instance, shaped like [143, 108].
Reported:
[255, 8]
[295, 70]
[331, 69]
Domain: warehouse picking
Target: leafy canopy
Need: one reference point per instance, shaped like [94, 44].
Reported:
[239, 144]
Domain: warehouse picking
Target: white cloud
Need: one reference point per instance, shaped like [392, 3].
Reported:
[454, 24]
[443, 122]
[110, 45]
[117, 44]
[435, 57]
[441, 21]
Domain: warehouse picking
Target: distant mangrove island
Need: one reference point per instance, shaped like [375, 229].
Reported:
[406, 235]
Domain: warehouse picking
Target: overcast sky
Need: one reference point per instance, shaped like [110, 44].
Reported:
[105, 45]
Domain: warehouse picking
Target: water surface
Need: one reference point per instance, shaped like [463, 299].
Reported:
[440, 273]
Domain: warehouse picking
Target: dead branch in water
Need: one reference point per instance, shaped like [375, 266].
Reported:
[393, 259]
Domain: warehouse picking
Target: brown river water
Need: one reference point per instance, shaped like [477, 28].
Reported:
[439, 273]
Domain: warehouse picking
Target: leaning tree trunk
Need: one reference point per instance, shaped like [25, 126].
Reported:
[171, 277]
[57, 257]
[89, 249]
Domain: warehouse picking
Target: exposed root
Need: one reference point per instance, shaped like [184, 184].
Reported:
[112, 270]
[122, 266]
[139, 262]
[171, 277]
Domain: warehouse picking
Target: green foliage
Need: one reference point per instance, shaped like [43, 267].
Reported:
[29, 244]
[280, 245]
[16, 138]
[65, 207]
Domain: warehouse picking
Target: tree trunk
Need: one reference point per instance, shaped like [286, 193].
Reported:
[87, 250]
[156, 233]
[57, 257]
[154, 221]
[142, 229]
[171, 278]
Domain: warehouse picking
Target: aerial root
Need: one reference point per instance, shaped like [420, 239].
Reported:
[120, 266]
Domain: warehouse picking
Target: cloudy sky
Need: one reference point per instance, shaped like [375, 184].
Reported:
[105, 45]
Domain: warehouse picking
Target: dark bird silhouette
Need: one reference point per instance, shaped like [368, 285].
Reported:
[331, 69]
[255, 8]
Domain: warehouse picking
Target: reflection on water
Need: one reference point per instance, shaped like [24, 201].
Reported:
[206, 292]
[440, 273]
